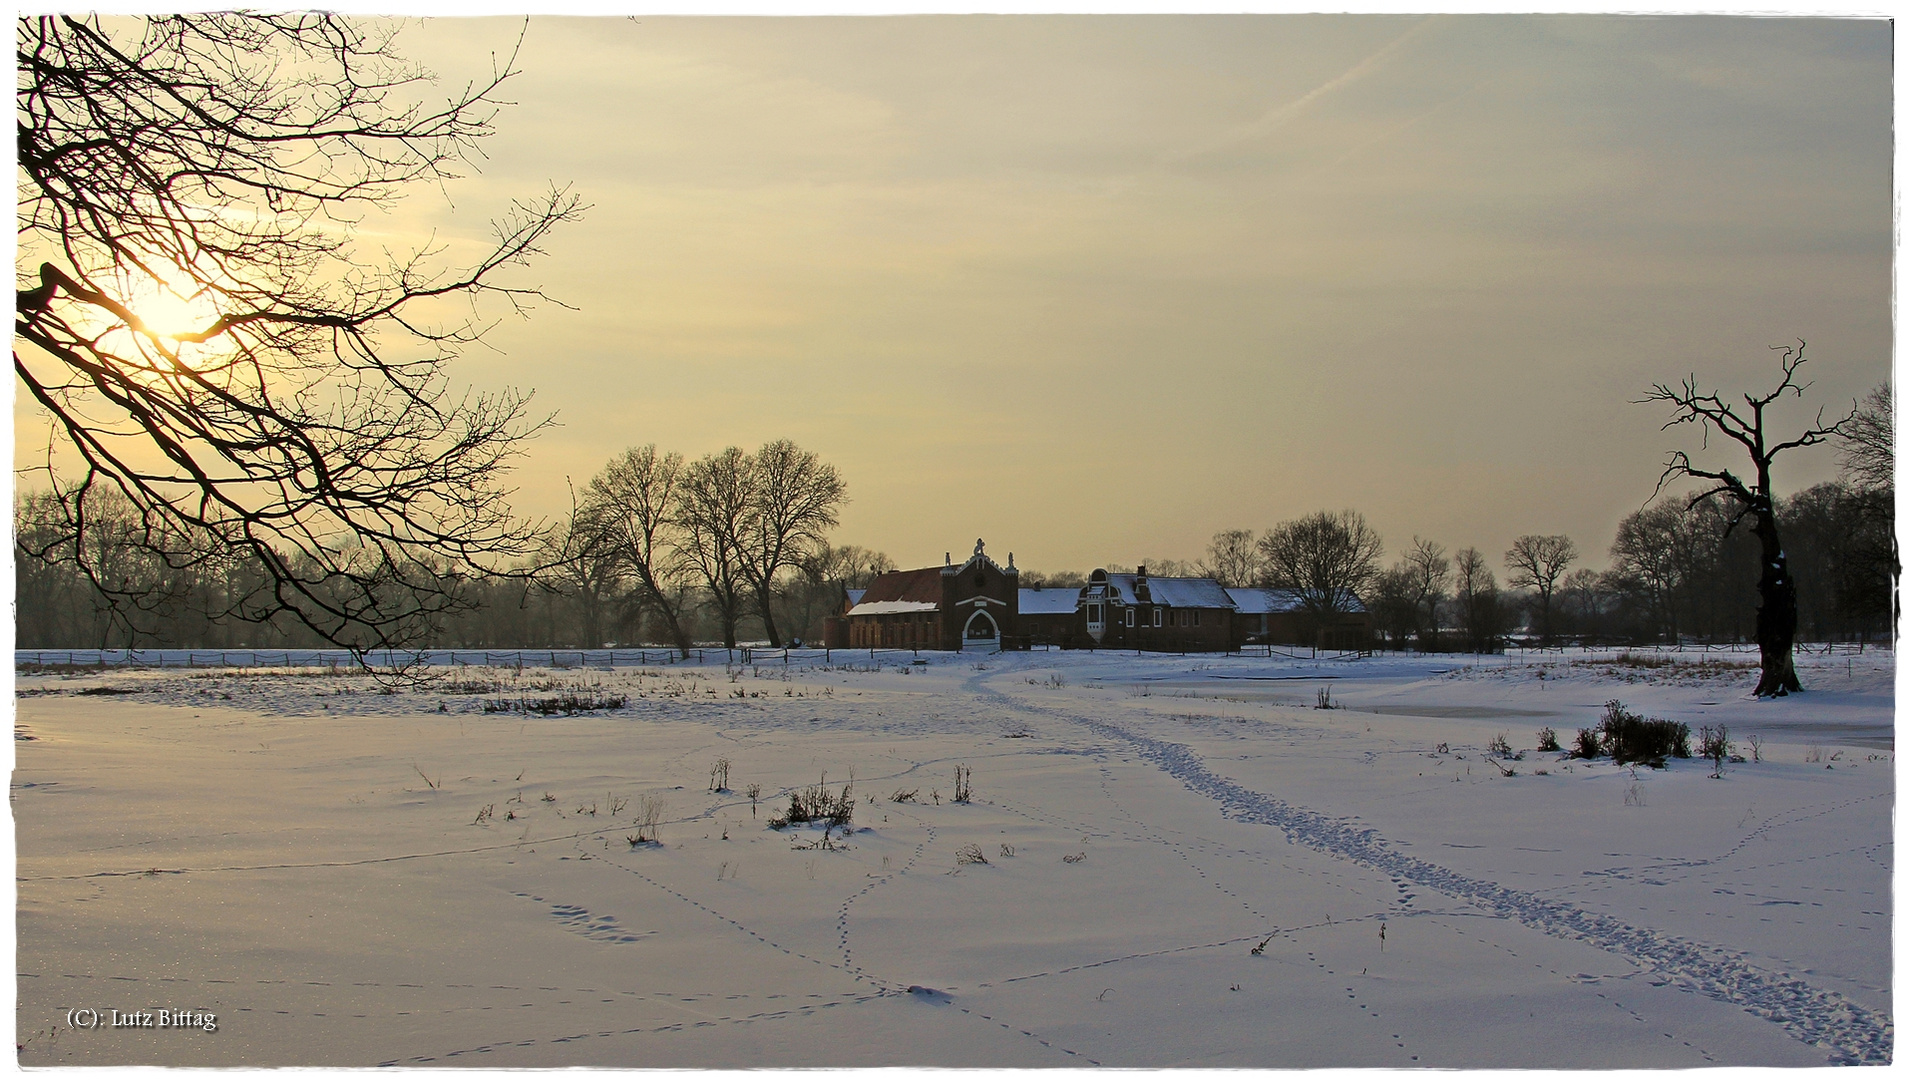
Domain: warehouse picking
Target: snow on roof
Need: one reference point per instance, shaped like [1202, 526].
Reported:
[1281, 601]
[920, 586]
[1179, 592]
[1049, 601]
[891, 607]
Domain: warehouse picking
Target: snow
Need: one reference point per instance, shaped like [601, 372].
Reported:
[1049, 601]
[1179, 592]
[1188, 864]
[892, 607]
[1280, 601]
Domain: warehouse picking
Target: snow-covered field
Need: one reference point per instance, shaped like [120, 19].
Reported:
[1187, 863]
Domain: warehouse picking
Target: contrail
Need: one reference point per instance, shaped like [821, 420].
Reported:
[1277, 116]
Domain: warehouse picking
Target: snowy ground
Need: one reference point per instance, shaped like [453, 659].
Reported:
[1187, 864]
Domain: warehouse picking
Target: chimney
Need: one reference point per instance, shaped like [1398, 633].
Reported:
[1141, 575]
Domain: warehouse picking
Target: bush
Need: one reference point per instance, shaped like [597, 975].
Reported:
[1499, 746]
[1547, 739]
[1587, 744]
[817, 803]
[1628, 737]
[1715, 746]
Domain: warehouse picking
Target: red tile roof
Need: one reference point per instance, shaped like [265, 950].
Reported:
[921, 586]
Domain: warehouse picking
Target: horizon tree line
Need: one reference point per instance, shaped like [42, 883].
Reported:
[734, 546]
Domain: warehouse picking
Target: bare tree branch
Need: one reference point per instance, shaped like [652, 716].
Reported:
[302, 418]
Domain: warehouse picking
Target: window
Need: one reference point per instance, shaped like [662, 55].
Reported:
[1093, 613]
[1129, 616]
[1156, 616]
[1196, 616]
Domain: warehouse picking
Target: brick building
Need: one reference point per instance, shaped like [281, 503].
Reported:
[980, 605]
[1169, 614]
[1279, 617]
[972, 606]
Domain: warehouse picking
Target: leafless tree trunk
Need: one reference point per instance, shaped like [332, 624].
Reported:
[213, 348]
[1776, 614]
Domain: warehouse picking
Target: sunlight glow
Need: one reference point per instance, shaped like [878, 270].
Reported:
[169, 314]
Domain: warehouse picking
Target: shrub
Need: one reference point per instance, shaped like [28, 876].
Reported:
[969, 854]
[817, 803]
[1715, 746]
[1628, 737]
[1499, 746]
[1547, 739]
[1587, 746]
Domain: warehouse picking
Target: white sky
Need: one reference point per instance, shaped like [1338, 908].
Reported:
[1094, 288]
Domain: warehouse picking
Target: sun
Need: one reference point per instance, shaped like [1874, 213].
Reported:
[169, 314]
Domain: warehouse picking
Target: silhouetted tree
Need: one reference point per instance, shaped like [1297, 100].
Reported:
[1868, 461]
[1776, 614]
[1231, 558]
[1428, 572]
[717, 506]
[633, 507]
[1475, 594]
[1327, 558]
[1537, 562]
[212, 344]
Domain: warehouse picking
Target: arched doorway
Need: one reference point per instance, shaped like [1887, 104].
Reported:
[982, 632]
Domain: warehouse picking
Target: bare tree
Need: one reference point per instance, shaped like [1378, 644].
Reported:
[582, 568]
[1231, 558]
[1537, 562]
[632, 507]
[1475, 591]
[1776, 614]
[794, 497]
[849, 566]
[210, 342]
[1393, 605]
[1644, 563]
[1060, 579]
[1428, 572]
[717, 507]
[1868, 445]
[1867, 441]
[1582, 600]
[1327, 558]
